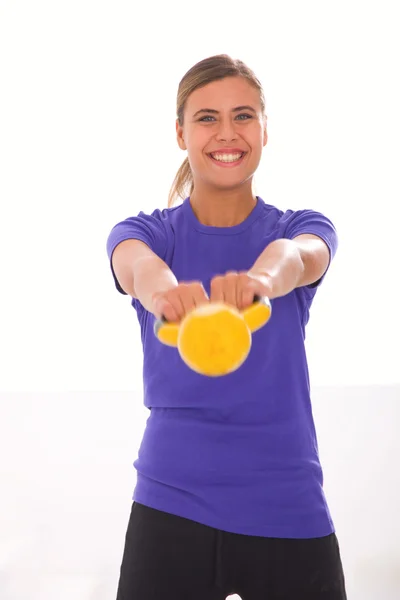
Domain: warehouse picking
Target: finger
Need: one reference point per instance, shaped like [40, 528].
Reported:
[189, 293]
[199, 294]
[165, 308]
[241, 288]
[247, 290]
[230, 288]
[216, 289]
[248, 295]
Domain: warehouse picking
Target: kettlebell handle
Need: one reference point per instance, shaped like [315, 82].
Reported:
[163, 319]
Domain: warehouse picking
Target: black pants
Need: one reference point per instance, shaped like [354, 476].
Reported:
[171, 558]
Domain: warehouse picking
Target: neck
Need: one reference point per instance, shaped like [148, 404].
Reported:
[222, 208]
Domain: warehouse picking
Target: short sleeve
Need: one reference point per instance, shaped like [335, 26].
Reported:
[149, 229]
[310, 221]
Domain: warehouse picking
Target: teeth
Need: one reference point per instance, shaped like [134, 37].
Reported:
[227, 157]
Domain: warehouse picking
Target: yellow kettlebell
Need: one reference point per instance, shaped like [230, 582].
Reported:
[215, 339]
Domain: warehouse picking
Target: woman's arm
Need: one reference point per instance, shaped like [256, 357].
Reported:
[140, 272]
[143, 275]
[292, 263]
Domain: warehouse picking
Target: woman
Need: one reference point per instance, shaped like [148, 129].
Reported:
[229, 495]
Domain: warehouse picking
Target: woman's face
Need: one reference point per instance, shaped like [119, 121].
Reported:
[224, 132]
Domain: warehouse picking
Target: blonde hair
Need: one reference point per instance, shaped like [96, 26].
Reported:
[204, 72]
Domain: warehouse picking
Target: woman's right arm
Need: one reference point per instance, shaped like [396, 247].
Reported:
[140, 272]
[143, 275]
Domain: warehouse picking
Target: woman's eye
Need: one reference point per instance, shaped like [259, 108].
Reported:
[210, 119]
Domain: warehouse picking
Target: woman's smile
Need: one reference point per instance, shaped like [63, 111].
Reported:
[227, 159]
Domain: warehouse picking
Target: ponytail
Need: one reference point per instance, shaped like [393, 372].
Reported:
[182, 183]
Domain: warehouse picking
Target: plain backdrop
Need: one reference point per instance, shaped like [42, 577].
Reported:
[87, 138]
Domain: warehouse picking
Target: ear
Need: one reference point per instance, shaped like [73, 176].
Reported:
[179, 136]
[265, 134]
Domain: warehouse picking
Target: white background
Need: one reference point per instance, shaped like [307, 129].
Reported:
[66, 480]
[87, 138]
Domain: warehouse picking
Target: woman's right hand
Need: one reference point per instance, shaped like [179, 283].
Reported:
[176, 303]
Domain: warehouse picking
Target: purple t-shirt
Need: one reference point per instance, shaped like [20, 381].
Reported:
[238, 452]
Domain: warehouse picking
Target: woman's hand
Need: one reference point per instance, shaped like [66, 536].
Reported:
[239, 289]
[177, 302]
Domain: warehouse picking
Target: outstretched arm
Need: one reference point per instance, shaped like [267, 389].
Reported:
[289, 264]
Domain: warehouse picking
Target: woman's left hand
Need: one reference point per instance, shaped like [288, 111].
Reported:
[239, 288]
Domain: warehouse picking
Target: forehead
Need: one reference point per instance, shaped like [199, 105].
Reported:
[224, 94]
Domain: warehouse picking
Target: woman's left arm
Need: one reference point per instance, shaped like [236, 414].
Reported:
[292, 263]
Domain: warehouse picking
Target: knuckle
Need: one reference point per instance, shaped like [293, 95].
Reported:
[217, 278]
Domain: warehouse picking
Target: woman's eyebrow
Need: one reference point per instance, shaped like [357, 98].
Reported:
[245, 107]
[216, 112]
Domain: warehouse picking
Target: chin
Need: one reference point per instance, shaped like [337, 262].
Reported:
[227, 187]
[230, 184]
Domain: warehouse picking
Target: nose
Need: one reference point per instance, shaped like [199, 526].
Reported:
[226, 131]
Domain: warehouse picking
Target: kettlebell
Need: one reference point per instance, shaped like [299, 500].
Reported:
[215, 339]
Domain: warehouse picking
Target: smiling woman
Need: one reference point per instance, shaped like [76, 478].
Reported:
[220, 117]
[229, 495]
[229, 136]
[226, 136]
